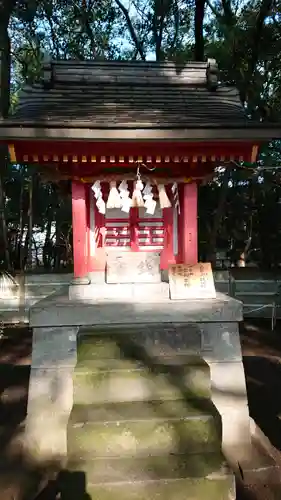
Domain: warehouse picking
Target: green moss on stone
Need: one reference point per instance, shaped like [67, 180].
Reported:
[154, 436]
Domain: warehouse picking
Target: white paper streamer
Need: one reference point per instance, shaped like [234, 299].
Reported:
[175, 192]
[96, 188]
[126, 201]
[163, 197]
[114, 200]
[149, 202]
[137, 199]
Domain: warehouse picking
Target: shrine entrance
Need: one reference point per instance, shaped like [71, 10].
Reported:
[136, 231]
[151, 227]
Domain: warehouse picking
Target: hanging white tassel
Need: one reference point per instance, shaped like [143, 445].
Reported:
[175, 192]
[114, 200]
[149, 202]
[147, 190]
[150, 206]
[96, 188]
[137, 199]
[163, 197]
[126, 201]
[101, 205]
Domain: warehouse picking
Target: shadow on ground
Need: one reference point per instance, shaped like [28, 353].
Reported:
[262, 363]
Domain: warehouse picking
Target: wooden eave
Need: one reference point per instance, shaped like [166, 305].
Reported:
[23, 132]
[83, 156]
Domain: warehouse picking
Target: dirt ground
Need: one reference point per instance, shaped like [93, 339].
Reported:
[262, 361]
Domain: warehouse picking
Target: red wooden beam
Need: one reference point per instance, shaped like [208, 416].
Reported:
[79, 151]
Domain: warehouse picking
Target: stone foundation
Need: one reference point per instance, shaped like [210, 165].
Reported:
[207, 330]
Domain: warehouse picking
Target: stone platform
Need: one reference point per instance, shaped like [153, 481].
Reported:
[182, 331]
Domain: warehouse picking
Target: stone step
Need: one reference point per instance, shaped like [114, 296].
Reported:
[155, 363]
[217, 487]
[140, 384]
[114, 412]
[140, 341]
[137, 436]
[115, 470]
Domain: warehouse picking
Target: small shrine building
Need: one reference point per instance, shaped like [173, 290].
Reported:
[135, 139]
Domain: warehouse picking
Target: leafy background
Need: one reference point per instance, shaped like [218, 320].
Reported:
[239, 210]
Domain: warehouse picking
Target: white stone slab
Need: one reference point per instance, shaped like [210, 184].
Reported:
[59, 310]
[133, 267]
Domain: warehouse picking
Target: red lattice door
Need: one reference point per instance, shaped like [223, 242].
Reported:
[136, 231]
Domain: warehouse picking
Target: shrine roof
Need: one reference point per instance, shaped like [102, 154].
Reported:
[129, 99]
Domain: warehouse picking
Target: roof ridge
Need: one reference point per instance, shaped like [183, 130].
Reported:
[135, 73]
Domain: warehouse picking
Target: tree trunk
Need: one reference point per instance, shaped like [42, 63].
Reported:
[21, 224]
[218, 216]
[4, 225]
[6, 7]
[198, 30]
[30, 224]
[138, 43]
[47, 242]
[48, 245]
[57, 258]
[36, 252]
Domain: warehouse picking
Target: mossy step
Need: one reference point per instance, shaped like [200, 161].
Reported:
[154, 363]
[139, 340]
[73, 486]
[139, 384]
[111, 470]
[142, 410]
[142, 437]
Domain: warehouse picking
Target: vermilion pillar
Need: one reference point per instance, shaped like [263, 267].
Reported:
[167, 255]
[99, 256]
[79, 229]
[188, 224]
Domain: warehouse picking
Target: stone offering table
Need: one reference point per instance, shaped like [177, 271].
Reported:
[185, 333]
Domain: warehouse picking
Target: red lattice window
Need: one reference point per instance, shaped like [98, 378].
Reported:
[117, 224]
[150, 230]
[136, 230]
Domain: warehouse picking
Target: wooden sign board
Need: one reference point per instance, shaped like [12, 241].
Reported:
[133, 267]
[191, 282]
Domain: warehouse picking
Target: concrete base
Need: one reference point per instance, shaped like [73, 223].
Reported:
[139, 303]
[208, 328]
[80, 281]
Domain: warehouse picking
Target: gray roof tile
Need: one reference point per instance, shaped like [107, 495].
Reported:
[130, 95]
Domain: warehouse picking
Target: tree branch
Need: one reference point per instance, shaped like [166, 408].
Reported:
[216, 13]
[157, 28]
[265, 10]
[176, 14]
[131, 29]
[87, 26]
[53, 34]
[228, 14]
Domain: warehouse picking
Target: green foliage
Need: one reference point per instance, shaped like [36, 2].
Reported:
[243, 36]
